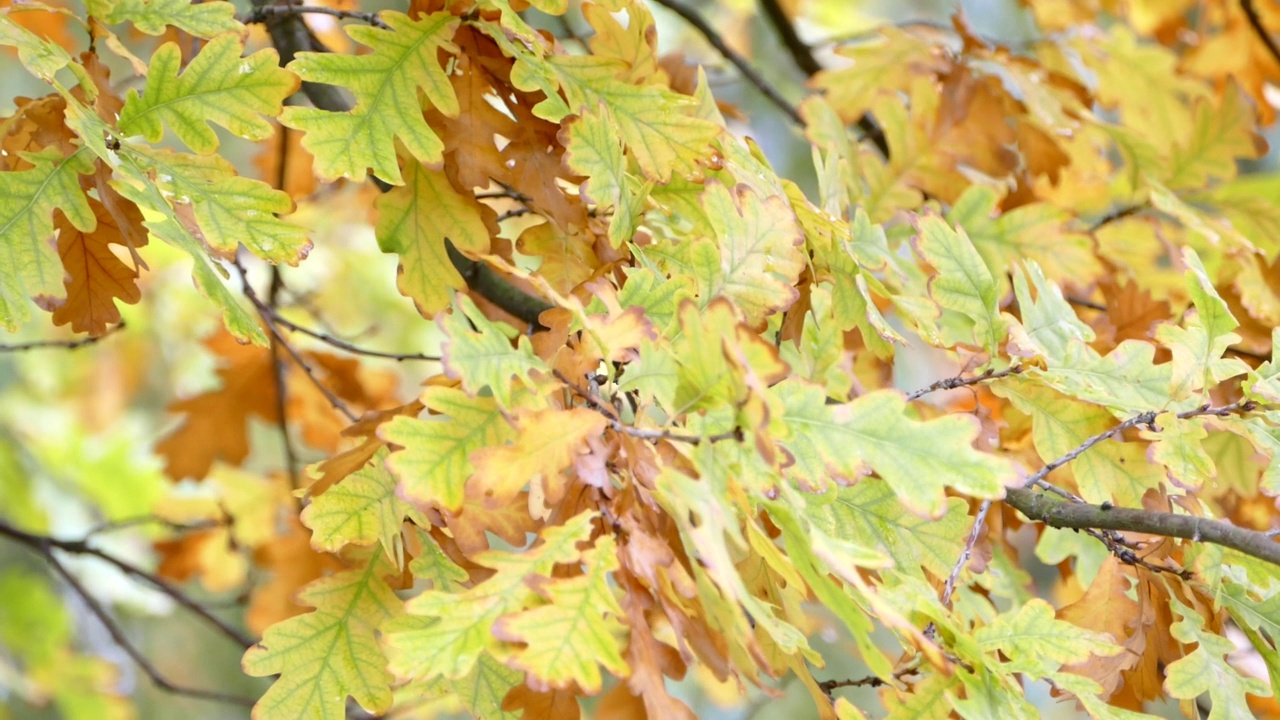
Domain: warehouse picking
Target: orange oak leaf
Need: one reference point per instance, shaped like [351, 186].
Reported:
[216, 423]
[96, 277]
[534, 705]
[348, 461]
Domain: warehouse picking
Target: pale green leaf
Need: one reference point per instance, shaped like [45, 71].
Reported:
[29, 264]
[134, 183]
[917, 459]
[331, 653]
[414, 220]
[594, 150]
[1049, 327]
[962, 283]
[433, 463]
[760, 245]
[484, 357]
[1178, 447]
[1111, 471]
[1036, 644]
[1035, 231]
[1206, 670]
[655, 124]
[446, 633]
[218, 86]
[386, 84]
[1219, 136]
[229, 210]
[361, 509]
[870, 513]
[153, 17]
[578, 631]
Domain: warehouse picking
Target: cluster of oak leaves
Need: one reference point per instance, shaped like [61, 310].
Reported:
[696, 464]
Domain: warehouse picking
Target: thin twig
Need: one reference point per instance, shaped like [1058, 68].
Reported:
[281, 376]
[979, 521]
[62, 344]
[953, 383]
[44, 545]
[1255, 21]
[132, 651]
[1147, 418]
[642, 433]
[748, 71]
[267, 317]
[827, 686]
[1117, 214]
[262, 12]
[803, 57]
[349, 347]
[1086, 303]
[114, 525]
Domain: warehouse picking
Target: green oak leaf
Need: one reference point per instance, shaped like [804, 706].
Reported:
[386, 84]
[217, 86]
[29, 264]
[331, 653]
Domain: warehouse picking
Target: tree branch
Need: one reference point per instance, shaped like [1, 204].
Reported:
[486, 282]
[1147, 418]
[802, 56]
[953, 383]
[117, 634]
[346, 346]
[748, 71]
[45, 546]
[1255, 21]
[264, 311]
[1059, 513]
[61, 344]
[482, 279]
[979, 521]
[261, 13]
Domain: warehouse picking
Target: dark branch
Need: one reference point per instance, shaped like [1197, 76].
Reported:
[290, 35]
[346, 346]
[61, 344]
[748, 71]
[262, 13]
[486, 282]
[1255, 22]
[1117, 214]
[481, 278]
[802, 56]
[114, 525]
[1059, 513]
[45, 545]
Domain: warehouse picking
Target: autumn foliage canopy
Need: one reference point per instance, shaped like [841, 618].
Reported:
[504, 359]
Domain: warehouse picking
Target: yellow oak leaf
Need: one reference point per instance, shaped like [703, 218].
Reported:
[547, 443]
